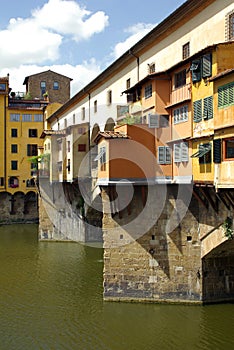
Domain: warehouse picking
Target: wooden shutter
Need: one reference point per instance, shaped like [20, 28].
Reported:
[208, 107]
[184, 151]
[177, 153]
[217, 145]
[207, 65]
[161, 155]
[197, 111]
[167, 155]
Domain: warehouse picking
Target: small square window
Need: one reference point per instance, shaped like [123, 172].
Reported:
[82, 147]
[32, 132]
[128, 83]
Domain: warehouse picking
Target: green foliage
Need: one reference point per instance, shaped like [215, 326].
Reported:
[28, 96]
[130, 120]
[227, 227]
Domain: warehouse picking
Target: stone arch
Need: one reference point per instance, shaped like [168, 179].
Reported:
[94, 133]
[110, 124]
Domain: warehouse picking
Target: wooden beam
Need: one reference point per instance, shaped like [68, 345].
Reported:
[207, 195]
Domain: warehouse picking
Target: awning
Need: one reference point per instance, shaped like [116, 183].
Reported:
[203, 149]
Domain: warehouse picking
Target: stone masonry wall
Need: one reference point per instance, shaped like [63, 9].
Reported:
[157, 266]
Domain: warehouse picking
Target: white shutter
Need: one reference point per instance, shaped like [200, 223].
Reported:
[184, 151]
[177, 153]
[153, 120]
[167, 155]
[161, 155]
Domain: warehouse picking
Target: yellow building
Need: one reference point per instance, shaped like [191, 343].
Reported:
[205, 66]
[3, 101]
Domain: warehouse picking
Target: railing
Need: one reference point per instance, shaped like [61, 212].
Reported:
[180, 94]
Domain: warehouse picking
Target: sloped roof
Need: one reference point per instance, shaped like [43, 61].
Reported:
[47, 71]
[110, 135]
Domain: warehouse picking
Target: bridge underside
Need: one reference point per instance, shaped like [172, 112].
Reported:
[218, 273]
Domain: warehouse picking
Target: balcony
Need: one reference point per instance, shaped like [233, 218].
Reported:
[180, 94]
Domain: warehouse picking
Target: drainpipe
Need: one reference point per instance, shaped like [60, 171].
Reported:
[138, 63]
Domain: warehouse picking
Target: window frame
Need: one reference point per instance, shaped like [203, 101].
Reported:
[148, 91]
[14, 148]
[186, 50]
[164, 155]
[225, 148]
[14, 164]
[14, 131]
[180, 79]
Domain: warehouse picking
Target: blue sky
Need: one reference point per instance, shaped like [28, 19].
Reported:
[77, 38]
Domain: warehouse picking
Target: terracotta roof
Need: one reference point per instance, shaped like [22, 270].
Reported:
[52, 132]
[222, 74]
[110, 135]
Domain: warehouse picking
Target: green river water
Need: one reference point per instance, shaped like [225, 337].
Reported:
[51, 298]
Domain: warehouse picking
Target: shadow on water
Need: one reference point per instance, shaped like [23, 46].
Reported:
[51, 298]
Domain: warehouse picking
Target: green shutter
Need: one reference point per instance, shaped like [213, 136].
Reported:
[197, 111]
[217, 151]
[208, 107]
[207, 65]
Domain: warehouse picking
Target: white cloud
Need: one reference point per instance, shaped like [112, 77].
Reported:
[38, 39]
[69, 18]
[136, 32]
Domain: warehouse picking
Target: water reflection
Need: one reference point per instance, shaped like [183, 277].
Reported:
[51, 298]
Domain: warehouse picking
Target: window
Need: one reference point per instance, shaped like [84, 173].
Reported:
[14, 117]
[196, 70]
[56, 85]
[148, 91]
[151, 68]
[180, 78]
[31, 150]
[38, 118]
[82, 147]
[43, 87]
[74, 118]
[180, 114]
[186, 50]
[197, 111]
[14, 165]
[128, 83]
[32, 132]
[201, 68]
[229, 148]
[83, 113]
[230, 26]
[14, 148]
[226, 95]
[164, 155]
[65, 123]
[68, 165]
[2, 87]
[181, 153]
[68, 146]
[26, 117]
[208, 107]
[14, 132]
[203, 153]
[2, 181]
[109, 97]
[103, 158]
[95, 106]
